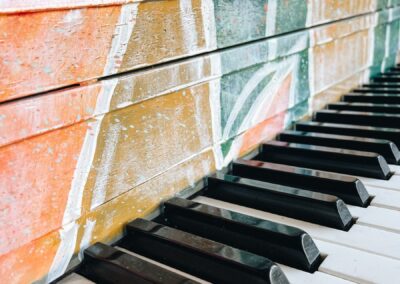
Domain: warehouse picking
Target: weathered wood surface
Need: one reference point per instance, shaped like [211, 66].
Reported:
[51, 49]
[78, 163]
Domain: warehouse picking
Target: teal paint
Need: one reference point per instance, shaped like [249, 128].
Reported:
[290, 15]
[239, 21]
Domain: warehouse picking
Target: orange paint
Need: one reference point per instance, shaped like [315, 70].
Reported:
[47, 112]
[30, 262]
[65, 47]
[35, 180]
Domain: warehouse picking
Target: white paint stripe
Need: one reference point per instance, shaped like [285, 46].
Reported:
[104, 99]
[103, 106]
[188, 24]
[271, 18]
[81, 173]
[201, 127]
[257, 114]
[310, 11]
[209, 27]
[294, 87]
[103, 173]
[387, 47]
[122, 34]
[246, 92]
[87, 237]
[74, 204]
[65, 251]
[215, 105]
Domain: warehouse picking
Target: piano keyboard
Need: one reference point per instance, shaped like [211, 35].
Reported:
[320, 204]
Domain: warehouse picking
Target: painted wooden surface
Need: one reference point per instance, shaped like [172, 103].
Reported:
[51, 49]
[78, 163]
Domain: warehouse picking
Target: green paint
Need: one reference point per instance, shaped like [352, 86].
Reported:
[239, 21]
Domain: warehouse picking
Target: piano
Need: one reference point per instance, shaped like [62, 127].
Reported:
[319, 204]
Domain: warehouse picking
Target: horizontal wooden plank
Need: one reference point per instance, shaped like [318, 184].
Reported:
[17, 6]
[77, 168]
[98, 155]
[32, 261]
[333, 94]
[44, 113]
[51, 49]
[105, 223]
[96, 160]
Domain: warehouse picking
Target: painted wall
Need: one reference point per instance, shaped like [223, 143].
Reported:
[79, 162]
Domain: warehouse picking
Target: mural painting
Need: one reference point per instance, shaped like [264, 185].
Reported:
[104, 150]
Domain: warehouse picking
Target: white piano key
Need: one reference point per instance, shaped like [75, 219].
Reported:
[393, 183]
[395, 169]
[376, 217]
[74, 278]
[385, 198]
[360, 237]
[296, 276]
[358, 266]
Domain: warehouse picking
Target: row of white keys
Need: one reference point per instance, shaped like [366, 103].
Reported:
[384, 197]
[395, 169]
[296, 276]
[377, 217]
[393, 183]
[355, 248]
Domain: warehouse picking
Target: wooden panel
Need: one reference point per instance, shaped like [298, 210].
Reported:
[98, 155]
[43, 113]
[333, 94]
[73, 170]
[103, 224]
[50, 49]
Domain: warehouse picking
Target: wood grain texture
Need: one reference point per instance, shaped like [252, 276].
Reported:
[79, 163]
[105, 223]
[44, 113]
[47, 50]
[16, 6]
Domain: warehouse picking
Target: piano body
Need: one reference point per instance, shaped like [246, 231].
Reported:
[198, 141]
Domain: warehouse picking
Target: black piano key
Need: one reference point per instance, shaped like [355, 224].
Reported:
[359, 118]
[318, 208]
[377, 90]
[365, 107]
[382, 85]
[385, 148]
[372, 98]
[391, 78]
[390, 134]
[344, 161]
[105, 264]
[350, 189]
[206, 259]
[278, 242]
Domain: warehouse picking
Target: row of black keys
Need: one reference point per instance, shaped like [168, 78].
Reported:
[357, 136]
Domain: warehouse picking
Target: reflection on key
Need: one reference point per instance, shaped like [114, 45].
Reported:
[293, 202]
[275, 241]
[348, 188]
